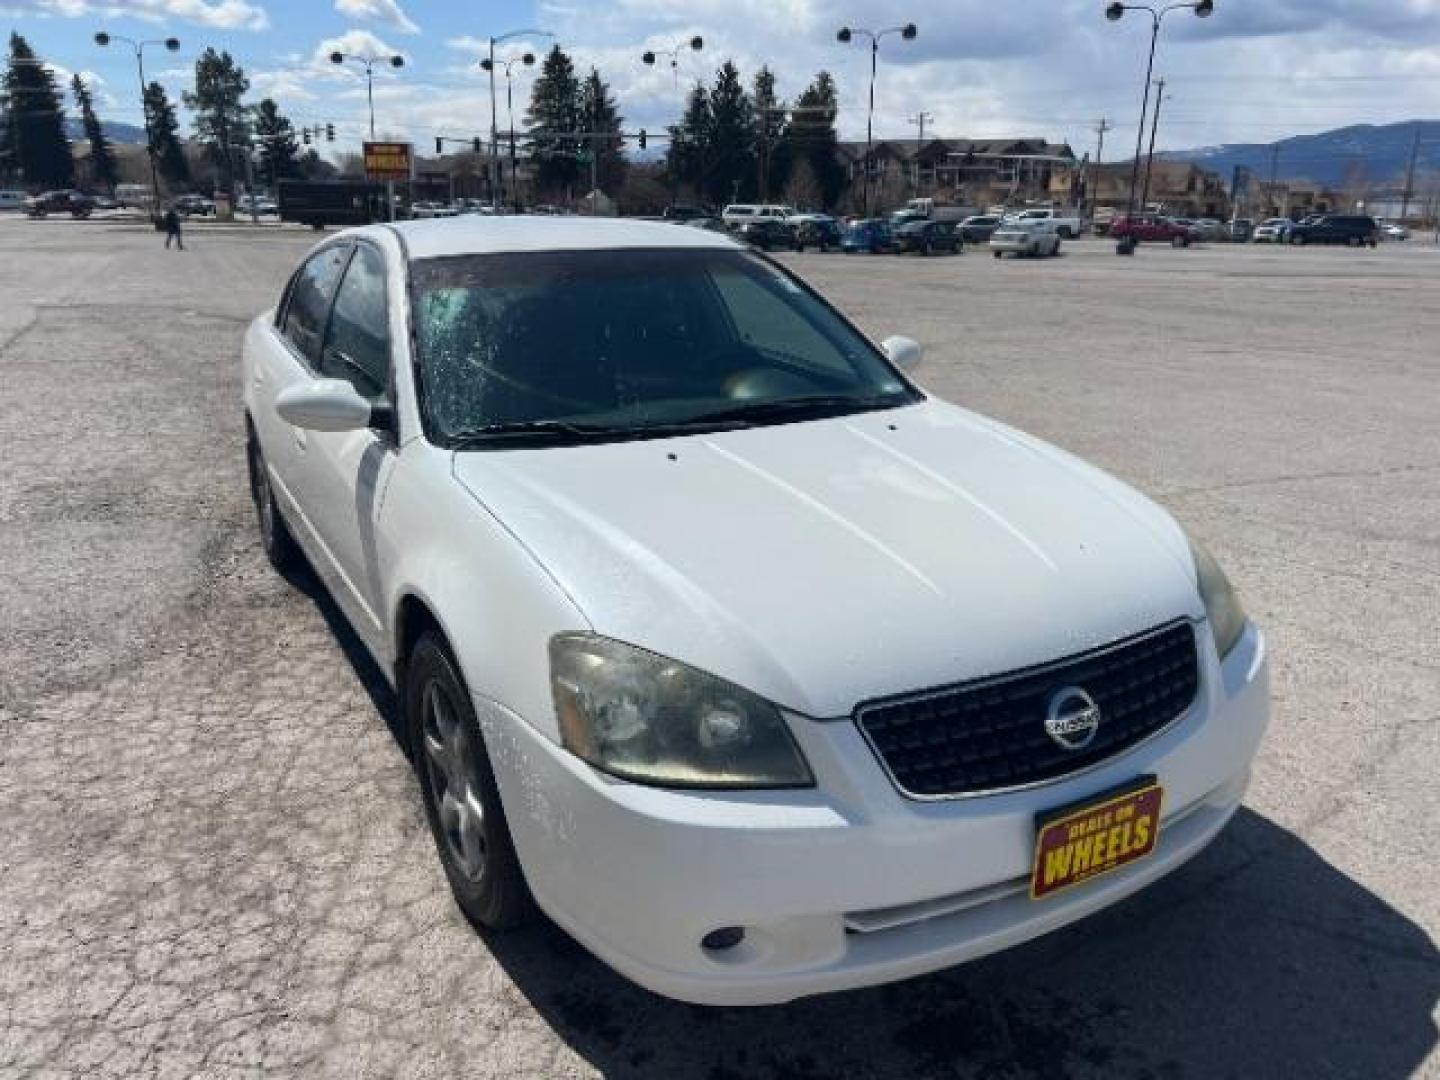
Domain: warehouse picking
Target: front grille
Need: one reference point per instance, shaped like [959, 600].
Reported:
[990, 735]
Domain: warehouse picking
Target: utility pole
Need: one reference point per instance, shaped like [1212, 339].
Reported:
[921, 119]
[1274, 175]
[1092, 185]
[1409, 192]
[1154, 126]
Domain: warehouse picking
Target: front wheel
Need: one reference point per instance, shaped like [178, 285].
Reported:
[279, 546]
[458, 788]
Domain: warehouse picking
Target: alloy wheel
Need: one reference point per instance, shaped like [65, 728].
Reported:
[452, 765]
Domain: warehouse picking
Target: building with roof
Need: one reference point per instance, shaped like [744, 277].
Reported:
[965, 172]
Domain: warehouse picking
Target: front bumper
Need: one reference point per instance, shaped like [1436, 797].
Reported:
[848, 884]
[1018, 245]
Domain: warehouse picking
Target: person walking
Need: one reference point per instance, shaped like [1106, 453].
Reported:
[172, 229]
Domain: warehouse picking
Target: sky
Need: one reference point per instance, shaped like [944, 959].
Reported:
[1256, 70]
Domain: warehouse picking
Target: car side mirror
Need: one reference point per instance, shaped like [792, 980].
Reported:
[905, 353]
[325, 405]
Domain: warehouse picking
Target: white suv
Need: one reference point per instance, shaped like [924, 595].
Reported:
[737, 214]
[763, 672]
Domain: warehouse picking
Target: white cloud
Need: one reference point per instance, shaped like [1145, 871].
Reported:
[357, 43]
[383, 11]
[216, 14]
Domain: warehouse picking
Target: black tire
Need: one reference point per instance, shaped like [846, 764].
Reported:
[998, 254]
[1298, 238]
[275, 539]
[496, 897]
[1177, 241]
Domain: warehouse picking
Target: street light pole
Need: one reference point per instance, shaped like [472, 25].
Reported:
[847, 34]
[1115, 12]
[489, 65]
[1154, 127]
[695, 44]
[368, 63]
[528, 59]
[171, 44]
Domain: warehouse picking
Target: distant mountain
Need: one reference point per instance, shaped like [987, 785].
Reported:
[115, 131]
[1326, 158]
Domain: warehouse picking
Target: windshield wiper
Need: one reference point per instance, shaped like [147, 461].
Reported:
[814, 404]
[540, 430]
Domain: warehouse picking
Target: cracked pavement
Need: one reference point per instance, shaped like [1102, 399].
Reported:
[213, 859]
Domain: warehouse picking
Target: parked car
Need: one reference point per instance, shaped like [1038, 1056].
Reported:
[977, 228]
[927, 237]
[1352, 229]
[820, 231]
[1190, 226]
[1032, 238]
[1067, 226]
[104, 202]
[1101, 220]
[194, 205]
[75, 203]
[1391, 230]
[759, 670]
[1213, 229]
[737, 214]
[1241, 229]
[13, 200]
[1150, 228]
[685, 212]
[867, 236]
[769, 234]
[1271, 231]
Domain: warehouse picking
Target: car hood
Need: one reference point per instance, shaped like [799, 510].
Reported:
[827, 562]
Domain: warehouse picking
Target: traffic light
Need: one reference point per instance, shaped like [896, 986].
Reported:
[439, 146]
[475, 144]
[329, 132]
[305, 134]
[642, 138]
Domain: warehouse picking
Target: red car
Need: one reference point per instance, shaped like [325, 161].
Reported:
[1143, 227]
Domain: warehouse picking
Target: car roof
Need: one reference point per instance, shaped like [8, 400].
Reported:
[479, 235]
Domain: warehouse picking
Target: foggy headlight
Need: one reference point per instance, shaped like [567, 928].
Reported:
[1222, 605]
[647, 718]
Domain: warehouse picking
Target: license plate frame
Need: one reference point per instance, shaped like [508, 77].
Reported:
[1106, 823]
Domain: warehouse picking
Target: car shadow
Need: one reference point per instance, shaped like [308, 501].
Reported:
[1256, 959]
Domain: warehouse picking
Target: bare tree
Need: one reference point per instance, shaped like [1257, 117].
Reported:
[802, 189]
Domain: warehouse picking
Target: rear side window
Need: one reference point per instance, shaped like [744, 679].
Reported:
[310, 296]
[357, 345]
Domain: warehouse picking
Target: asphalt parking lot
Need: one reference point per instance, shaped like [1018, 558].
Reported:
[213, 860]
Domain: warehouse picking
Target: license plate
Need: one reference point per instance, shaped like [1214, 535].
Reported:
[1078, 843]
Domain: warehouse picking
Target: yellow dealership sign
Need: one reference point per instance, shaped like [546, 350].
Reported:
[388, 161]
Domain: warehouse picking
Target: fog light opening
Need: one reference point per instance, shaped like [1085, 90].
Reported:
[724, 939]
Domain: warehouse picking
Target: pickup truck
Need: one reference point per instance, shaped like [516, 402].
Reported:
[1066, 225]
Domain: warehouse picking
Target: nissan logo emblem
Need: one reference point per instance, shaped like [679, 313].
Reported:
[1072, 719]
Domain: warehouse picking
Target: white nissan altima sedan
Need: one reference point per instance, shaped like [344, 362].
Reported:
[761, 671]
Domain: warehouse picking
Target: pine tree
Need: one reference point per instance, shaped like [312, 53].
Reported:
[278, 148]
[35, 132]
[102, 158]
[731, 172]
[222, 122]
[165, 138]
[687, 155]
[598, 112]
[810, 135]
[770, 128]
[553, 117]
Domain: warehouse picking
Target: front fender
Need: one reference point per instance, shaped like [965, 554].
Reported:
[495, 603]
